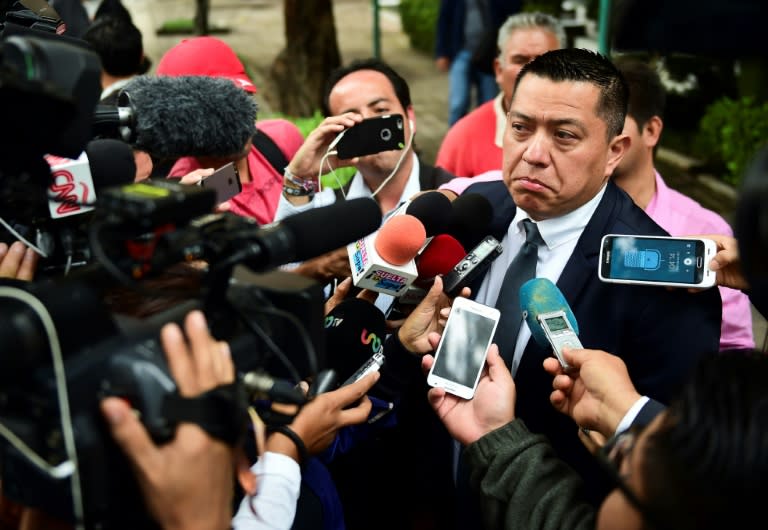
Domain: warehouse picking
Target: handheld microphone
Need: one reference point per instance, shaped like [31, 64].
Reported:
[355, 331]
[470, 216]
[172, 117]
[383, 261]
[549, 317]
[440, 255]
[74, 183]
[433, 209]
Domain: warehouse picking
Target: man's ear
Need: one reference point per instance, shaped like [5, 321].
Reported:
[616, 151]
[652, 131]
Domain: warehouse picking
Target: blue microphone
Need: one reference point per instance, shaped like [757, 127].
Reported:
[549, 317]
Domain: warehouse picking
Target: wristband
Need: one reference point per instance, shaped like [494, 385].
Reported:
[292, 181]
[296, 439]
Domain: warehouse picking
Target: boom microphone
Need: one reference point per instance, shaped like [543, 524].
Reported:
[172, 117]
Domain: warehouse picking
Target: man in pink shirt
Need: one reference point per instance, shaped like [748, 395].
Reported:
[473, 144]
[262, 183]
[674, 212]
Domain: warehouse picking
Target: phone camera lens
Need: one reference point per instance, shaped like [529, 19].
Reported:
[386, 135]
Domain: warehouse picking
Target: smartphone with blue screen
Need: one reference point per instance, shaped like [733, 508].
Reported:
[657, 260]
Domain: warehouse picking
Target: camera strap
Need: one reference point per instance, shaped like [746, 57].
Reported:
[222, 412]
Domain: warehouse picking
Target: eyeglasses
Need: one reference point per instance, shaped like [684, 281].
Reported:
[616, 450]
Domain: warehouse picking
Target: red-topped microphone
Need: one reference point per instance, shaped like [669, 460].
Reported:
[440, 255]
[383, 261]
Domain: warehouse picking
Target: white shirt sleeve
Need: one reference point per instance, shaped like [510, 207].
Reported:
[278, 483]
[629, 417]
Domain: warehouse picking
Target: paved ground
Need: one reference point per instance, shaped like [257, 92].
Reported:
[256, 33]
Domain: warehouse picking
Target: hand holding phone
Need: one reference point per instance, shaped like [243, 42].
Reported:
[460, 355]
[657, 260]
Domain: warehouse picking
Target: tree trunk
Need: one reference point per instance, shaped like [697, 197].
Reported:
[310, 54]
[201, 17]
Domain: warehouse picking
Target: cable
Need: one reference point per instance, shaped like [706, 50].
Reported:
[22, 238]
[73, 467]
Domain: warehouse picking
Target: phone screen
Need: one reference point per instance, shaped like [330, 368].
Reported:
[651, 259]
[464, 345]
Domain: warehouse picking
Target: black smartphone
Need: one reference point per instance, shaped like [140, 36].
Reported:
[224, 181]
[372, 135]
[656, 260]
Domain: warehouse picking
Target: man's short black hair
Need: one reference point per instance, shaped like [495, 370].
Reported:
[398, 83]
[575, 64]
[118, 44]
[647, 96]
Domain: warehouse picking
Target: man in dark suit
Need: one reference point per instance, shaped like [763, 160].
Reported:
[562, 142]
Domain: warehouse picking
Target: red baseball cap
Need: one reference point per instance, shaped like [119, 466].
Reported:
[207, 56]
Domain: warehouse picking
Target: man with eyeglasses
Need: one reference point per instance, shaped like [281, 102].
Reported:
[699, 464]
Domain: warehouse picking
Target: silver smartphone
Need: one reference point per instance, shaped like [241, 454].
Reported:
[224, 181]
[560, 334]
[461, 353]
[657, 260]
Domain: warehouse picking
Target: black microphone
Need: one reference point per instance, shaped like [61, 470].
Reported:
[469, 219]
[229, 239]
[433, 209]
[172, 117]
[355, 331]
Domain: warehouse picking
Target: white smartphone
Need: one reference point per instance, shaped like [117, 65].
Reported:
[462, 350]
[657, 260]
[224, 181]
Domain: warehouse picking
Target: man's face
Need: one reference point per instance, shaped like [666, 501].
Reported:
[556, 155]
[370, 94]
[617, 512]
[522, 46]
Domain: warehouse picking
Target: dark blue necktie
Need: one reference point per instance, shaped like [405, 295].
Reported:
[522, 269]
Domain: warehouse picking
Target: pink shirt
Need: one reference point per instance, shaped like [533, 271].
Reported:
[682, 216]
[260, 196]
[473, 144]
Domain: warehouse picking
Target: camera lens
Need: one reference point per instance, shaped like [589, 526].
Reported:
[386, 135]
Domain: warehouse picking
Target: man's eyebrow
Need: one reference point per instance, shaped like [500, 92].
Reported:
[554, 122]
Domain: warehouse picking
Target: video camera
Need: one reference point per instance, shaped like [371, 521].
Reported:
[67, 341]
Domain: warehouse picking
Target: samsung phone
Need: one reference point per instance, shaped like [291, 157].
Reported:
[224, 181]
[462, 350]
[657, 260]
[372, 135]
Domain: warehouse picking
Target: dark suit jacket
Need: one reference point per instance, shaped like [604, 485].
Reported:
[659, 333]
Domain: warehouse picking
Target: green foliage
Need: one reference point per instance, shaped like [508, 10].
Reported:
[730, 133]
[419, 19]
[306, 125]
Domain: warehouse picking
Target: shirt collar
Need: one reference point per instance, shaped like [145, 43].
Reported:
[559, 230]
[114, 87]
[358, 187]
